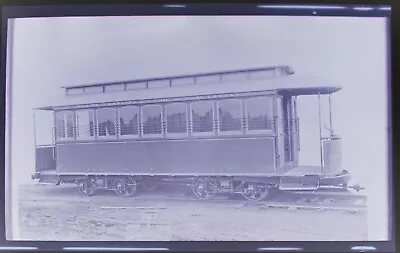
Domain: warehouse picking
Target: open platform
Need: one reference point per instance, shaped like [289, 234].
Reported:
[47, 177]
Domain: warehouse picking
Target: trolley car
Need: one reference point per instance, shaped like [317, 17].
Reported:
[222, 132]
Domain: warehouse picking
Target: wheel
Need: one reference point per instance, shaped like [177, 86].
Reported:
[86, 187]
[150, 185]
[255, 191]
[125, 187]
[204, 188]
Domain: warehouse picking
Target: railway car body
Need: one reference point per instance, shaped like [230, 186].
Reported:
[233, 131]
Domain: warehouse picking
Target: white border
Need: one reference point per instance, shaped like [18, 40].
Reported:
[11, 186]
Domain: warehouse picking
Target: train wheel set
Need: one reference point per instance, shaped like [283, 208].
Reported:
[203, 188]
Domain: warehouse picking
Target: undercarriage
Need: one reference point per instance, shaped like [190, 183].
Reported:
[203, 187]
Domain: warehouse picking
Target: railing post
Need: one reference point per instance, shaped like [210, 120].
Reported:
[330, 116]
[34, 129]
[54, 142]
[320, 132]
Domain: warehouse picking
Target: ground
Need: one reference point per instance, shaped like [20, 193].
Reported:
[60, 213]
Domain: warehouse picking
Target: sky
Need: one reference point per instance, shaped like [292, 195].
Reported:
[52, 52]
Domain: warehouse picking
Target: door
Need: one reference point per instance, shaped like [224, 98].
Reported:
[290, 131]
[295, 140]
[280, 133]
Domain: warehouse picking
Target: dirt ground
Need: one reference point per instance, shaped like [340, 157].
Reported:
[60, 213]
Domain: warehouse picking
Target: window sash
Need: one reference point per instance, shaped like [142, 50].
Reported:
[106, 128]
[88, 132]
[132, 113]
[212, 120]
[62, 119]
[270, 119]
[156, 126]
[184, 127]
[221, 124]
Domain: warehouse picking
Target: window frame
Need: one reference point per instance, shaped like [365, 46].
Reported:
[238, 77]
[131, 86]
[64, 112]
[75, 91]
[128, 136]
[235, 132]
[208, 79]
[187, 123]
[97, 89]
[97, 128]
[213, 132]
[109, 88]
[143, 134]
[77, 126]
[159, 84]
[260, 131]
[183, 81]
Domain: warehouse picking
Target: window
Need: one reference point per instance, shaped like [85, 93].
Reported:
[75, 91]
[85, 124]
[259, 113]
[202, 117]
[260, 74]
[114, 87]
[129, 121]
[64, 124]
[208, 79]
[151, 119]
[230, 115]
[285, 71]
[176, 118]
[183, 81]
[136, 86]
[94, 89]
[106, 122]
[234, 77]
[158, 84]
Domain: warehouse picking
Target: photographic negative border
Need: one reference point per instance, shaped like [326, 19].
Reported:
[166, 8]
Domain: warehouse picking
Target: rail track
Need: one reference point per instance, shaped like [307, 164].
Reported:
[317, 200]
[298, 200]
[278, 204]
[148, 216]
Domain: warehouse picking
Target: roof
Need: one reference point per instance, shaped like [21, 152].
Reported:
[298, 86]
[288, 69]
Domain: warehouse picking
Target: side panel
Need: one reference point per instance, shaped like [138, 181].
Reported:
[45, 158]
[332, 155]
[249, 155]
